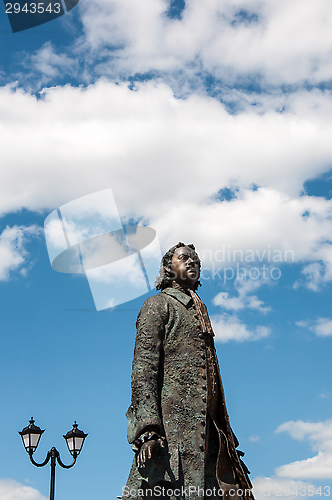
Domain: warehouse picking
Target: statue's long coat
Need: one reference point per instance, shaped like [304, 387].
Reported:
[169, 395]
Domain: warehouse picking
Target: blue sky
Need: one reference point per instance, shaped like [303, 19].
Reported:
[212, 124]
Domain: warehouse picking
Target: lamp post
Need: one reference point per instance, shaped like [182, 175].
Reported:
[74, 438]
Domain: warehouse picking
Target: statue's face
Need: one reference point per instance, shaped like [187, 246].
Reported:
[185, 266]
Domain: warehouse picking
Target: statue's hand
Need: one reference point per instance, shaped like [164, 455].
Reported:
[148, 450]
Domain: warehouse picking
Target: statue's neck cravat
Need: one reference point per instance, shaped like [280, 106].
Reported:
[202, 313]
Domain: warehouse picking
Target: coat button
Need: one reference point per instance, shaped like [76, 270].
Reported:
[204, 387]
[203, 423]
[203, 435]
[201, 336]
[204, 400]
[202, 448]
[204, 377]
[147, 396]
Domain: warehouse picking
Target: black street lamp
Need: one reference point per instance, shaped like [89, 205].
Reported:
[31, 435]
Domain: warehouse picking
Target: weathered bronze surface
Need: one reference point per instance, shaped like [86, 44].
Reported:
[178, 423]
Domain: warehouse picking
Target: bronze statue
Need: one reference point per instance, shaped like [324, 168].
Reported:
[178, 423]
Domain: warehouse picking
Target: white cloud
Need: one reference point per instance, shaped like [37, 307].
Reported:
[228, 327]
[319, 435]
[13, 253]
[315, 276]
[286, 42]
[224, 300]
[253, 438]
[263, 219]
[49, 64]
[317, 467]
[292, 480]
[132, 138]
[12, 490]
[151, 149]
[275, 488]
[244, 287]
[301, 323]
[322, 327]
[127, 270]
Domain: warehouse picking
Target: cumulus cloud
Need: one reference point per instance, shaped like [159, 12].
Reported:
[314, 274]
[319, 435]
[276, 487]
[132, 139]
[322, 327]
[224, 300]
[49, 65]
[244, 288]
[166, 160]
[253, 438]
[13, 253]
[227, 327]
[317, 467]
[293, 480]
[13, 490]
[275, 41]
[231, 232]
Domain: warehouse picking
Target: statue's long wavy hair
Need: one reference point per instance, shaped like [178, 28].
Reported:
[166, 276]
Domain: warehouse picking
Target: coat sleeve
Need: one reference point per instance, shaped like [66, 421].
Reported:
[144, 412]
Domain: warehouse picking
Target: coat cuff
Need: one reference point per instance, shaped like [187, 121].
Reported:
[144, 438]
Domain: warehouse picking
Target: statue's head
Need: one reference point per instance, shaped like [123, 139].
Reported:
[181, 264]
